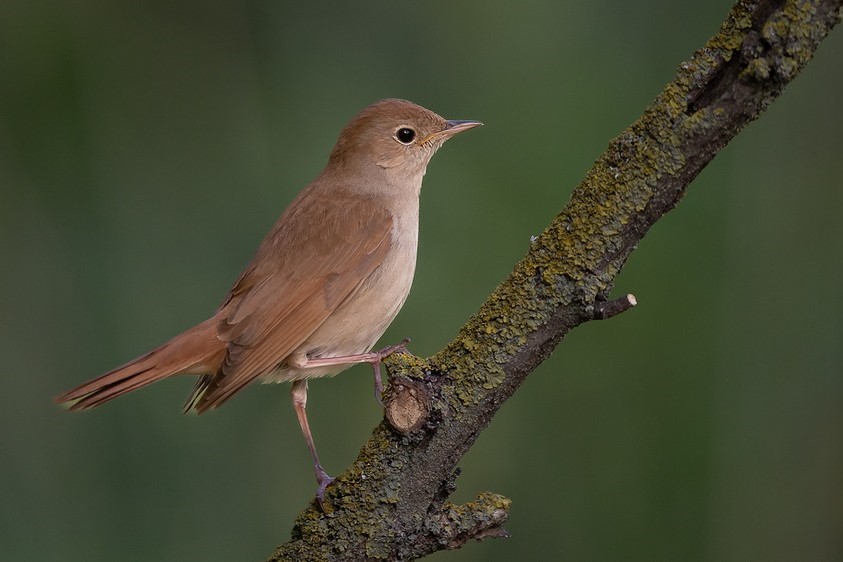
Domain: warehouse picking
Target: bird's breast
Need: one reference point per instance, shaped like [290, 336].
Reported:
[367, 312]
[362, 317]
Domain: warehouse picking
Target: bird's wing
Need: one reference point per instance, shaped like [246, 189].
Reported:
[288, 291]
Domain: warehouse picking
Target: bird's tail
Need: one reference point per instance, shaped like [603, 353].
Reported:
[195, 351]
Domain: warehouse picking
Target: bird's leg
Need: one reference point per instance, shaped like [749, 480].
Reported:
[374, 358]
[299, 396]
[298, 392]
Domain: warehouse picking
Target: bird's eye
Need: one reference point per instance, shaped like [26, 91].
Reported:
[405, 135]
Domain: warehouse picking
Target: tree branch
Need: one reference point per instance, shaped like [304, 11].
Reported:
[391, 504]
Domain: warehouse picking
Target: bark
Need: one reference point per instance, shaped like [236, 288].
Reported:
[392, 503]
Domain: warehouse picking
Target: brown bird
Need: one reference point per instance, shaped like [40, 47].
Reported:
[325, 283]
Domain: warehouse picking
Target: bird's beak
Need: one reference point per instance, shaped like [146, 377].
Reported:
[454, 127]
[451, 129]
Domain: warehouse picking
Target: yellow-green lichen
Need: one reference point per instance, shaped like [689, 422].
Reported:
[732, 32]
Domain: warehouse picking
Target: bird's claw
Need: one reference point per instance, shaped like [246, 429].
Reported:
[376, 365]
[323, 480]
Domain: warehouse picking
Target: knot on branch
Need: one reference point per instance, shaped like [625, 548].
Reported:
[603, 310]
[407, 404]
[479, 519]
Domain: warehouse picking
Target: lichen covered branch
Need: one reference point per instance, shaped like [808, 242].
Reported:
[391, 504]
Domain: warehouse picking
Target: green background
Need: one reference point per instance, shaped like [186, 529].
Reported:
[145, 148]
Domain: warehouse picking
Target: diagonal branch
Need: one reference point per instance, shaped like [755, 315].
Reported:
[391, 504]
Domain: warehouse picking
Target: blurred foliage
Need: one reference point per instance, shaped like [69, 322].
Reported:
[145, 148]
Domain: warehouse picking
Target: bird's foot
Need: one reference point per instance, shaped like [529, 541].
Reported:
[323, 480]
[376, 365]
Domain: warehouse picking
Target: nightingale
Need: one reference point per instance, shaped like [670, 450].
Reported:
[324, 284]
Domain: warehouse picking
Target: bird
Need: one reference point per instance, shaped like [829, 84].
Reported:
[324, 284]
